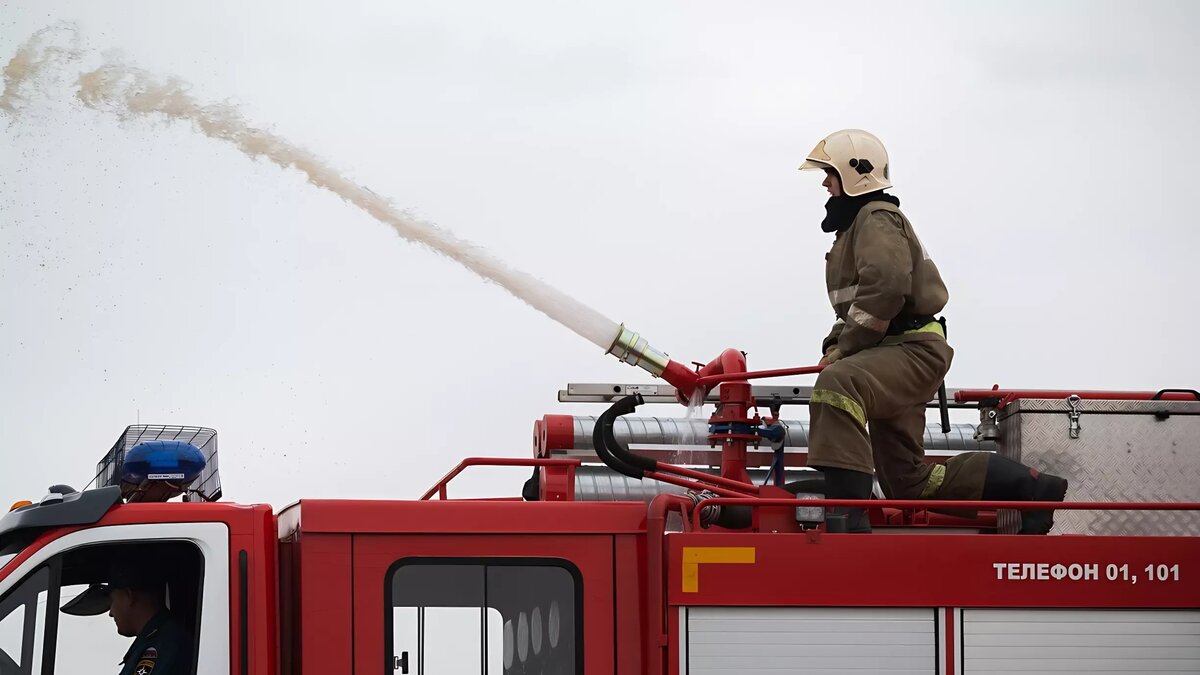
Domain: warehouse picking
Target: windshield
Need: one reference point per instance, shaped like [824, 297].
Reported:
[5, 558]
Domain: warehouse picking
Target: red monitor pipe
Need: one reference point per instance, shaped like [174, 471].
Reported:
[736, 401]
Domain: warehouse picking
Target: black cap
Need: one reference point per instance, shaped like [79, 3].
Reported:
[95, 600]
[126, 574]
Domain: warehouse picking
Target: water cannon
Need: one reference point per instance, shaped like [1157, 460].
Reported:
[734, 426]
[156, 463]
[633, 349]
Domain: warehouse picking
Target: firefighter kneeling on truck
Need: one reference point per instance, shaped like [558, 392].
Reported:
[887, 355]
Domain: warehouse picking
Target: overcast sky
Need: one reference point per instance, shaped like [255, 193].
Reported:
[640, 156]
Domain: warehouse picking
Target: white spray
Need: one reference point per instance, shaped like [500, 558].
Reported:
[128, 92]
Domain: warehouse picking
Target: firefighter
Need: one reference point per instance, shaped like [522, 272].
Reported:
[887, 354]
[134, 598]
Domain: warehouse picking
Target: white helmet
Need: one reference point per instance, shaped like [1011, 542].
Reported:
[859, 158]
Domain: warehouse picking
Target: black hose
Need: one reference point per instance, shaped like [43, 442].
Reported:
[733, 517]
[615, 455]
[624, 407]
[603, 432]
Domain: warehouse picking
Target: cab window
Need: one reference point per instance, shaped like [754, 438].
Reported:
[90, 627]
[484, 616]
[22, 625]
[92, 631]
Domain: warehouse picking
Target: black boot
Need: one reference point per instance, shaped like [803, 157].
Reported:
[847, 484]
[1011, 481]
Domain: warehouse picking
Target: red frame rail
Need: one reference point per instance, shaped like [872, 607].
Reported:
[668, 473]
[1007, 396]
[439, 488]
[943, 505]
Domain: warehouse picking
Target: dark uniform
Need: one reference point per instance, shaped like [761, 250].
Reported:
[164, 647]
[878, 272]
[887, 354]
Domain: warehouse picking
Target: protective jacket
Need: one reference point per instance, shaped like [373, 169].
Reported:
[882, 284]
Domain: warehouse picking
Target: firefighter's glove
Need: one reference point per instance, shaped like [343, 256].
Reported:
[831, 356]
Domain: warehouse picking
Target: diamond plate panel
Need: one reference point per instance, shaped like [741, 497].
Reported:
[1126, 451]
[1102, 406]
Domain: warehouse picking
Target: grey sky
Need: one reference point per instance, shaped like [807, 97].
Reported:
[639, 156]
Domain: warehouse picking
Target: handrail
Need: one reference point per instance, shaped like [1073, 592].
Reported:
[701, 480]
[1006, 396]
[943, 505]
[710, 380]
[656, 597]
[439, 488]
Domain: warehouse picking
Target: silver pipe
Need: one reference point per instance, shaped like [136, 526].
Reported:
[636, 351]
[688, 431]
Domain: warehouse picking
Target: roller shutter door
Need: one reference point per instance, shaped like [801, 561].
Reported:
[1107, 642]
[777, 640]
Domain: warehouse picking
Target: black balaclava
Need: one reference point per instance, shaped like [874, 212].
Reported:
[840, 212]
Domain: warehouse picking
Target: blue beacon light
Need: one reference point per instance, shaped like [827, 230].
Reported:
[169, 461]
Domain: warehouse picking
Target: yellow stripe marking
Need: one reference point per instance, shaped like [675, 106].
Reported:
[694, 556]
[936, 477]
[841, 402]
[931, 327]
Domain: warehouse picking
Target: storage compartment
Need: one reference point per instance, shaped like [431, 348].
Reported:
[775, 640]
[1108, 641]
[1110, 451]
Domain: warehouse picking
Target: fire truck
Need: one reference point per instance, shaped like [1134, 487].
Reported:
[648, 544]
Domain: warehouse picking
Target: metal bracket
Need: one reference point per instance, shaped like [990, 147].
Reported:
[1073, 401]
[764, 395]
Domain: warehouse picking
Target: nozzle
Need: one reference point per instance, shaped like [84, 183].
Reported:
[634, 350]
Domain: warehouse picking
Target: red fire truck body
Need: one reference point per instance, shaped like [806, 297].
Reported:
[570, 581]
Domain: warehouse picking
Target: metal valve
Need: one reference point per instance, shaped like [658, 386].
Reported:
[987, 429]
[709, 514]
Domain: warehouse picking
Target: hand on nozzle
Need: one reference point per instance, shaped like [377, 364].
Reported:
[830, 357]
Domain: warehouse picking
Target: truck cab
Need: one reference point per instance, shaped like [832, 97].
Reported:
[57, 549]
[321, 586]
[332, 585]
